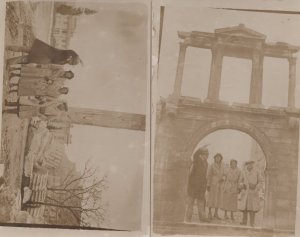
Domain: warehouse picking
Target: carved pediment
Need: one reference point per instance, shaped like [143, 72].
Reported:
[240, 31]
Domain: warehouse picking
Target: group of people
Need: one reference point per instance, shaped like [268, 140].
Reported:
[218, 186]
[38, 78]
[41, 79]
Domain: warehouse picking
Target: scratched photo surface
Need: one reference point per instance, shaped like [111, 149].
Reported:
[227, 122]
[73, 119]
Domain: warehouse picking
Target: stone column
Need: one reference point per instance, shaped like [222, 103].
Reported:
[292, 81]
[256, 85]
[179, 72]
[215, 74]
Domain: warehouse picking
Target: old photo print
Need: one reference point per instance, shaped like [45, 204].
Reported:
[75, 80]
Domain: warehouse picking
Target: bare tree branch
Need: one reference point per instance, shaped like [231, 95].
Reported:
[80, 194]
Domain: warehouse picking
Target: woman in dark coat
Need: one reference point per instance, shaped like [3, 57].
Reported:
[197, 184]
[41, 53]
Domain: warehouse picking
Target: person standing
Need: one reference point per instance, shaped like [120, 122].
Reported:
[51, 72]
[250, 183]
[230, 189]
[38, 87]
[215, 178]
[197, 184]
[26, 109]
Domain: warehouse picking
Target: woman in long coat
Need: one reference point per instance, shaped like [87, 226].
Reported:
[26, 109]
[39, 87]
[32, 70]
[250, 183]
[41, 53]
[230, 189]
[39, 79]
[215, 178]
[51, 71]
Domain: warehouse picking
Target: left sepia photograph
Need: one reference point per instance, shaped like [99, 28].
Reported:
[74, 104]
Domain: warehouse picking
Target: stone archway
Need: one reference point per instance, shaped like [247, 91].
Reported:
[260, 137]
[184, 121]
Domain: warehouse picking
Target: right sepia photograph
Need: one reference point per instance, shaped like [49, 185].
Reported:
[227, 122]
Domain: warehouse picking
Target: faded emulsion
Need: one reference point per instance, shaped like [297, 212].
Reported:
[74, 115]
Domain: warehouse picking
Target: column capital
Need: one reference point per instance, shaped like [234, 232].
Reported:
[292, 60]
[183, 44]
[257, 53]
[217, 46]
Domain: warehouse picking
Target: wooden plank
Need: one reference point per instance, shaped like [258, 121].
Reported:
[106, 118]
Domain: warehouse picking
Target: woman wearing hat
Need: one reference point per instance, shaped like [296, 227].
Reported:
[197, 184]
[215, 178]
[230, 189]
[250, 183]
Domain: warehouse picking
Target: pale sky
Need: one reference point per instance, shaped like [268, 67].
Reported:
[113, 47]
[238, 146]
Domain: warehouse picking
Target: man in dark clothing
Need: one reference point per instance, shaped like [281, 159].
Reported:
[197, 184]
[42, 53]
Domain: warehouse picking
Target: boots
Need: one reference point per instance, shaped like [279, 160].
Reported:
[189, 210]
[232, 217]
[216, 215]
[209, 214]
[201, 211]
[245, 217]
[226, 216]
[252, 217]
[188, 216]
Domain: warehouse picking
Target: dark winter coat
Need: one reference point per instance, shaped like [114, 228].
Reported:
[42, 53]
[197, 181]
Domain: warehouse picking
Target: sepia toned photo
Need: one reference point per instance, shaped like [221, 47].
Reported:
[227, 122]
[75, 78]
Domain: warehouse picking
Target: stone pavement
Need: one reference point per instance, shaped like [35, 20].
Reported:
[209, 229]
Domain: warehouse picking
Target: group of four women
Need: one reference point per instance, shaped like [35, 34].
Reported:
[221, 187]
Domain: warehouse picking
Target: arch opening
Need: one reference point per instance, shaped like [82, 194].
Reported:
[242, 147]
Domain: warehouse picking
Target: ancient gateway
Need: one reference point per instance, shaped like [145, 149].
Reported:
[183, 121]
